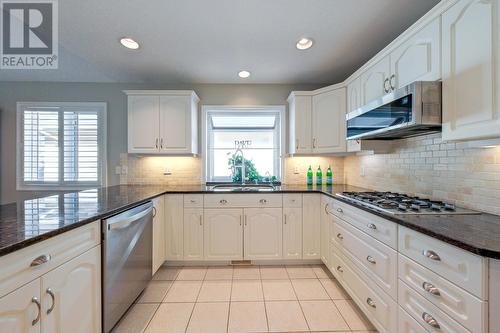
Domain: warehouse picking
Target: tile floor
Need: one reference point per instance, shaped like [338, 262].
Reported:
[222, 299]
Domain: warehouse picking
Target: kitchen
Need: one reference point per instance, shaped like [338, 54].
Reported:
[254, 182]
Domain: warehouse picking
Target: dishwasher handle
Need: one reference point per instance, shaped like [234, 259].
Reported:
[120, 223]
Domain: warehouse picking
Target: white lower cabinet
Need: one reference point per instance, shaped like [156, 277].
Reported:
[19, 311]
[72, 295]
[325, 229]
[311, 226]
[193, 234]
[158, 233]
[292, 233]
[263, 233]
[174, 227]
[406, 323]
[223, 234]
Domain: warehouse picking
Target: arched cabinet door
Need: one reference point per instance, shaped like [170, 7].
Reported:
[263, 233]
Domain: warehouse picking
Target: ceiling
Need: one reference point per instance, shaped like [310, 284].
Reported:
[209, 41]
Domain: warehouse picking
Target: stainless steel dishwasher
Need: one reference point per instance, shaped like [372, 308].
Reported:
[127, 260]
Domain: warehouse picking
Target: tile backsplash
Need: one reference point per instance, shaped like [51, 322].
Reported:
[426, 166]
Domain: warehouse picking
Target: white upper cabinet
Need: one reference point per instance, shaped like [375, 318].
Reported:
[162, 122]
[263, 233]
[375, 81]
[300, 126]
[329, 129]
[143, 129]
[354, 95]
[418, 58]
[471, 66]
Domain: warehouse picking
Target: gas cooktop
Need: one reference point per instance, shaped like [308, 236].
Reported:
[402, 204]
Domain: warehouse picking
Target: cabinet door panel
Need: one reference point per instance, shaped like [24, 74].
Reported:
[354, 95]
[175, 123]
[263, 233]
[223, 234]
[193, 234]
[174, 227]
[470, 43]
[300, 125]
[17, 310]
[143, 129]
[326, 206]
[372, 80]
[311, 226]
[418, 59]
[158, 233]
[292, 233]
[76, 286]
[329, 121]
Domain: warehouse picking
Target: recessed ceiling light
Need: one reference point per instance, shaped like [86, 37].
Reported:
[129, 43]
[304, 43]
[243, 74]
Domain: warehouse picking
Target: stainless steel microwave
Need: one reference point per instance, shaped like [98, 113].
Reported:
[409, 111]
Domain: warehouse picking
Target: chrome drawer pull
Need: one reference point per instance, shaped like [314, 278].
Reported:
[430, 320]
[192, 201]
[223, 201]
[431, 255]
[429, 287]
[340, 210]
[44, 258]
[371, 302]
[263, 201]
[372, 226]
[339, 236]
[51, 294]
[371, 260]
[39, 307]
[339, 268]
[154, 212]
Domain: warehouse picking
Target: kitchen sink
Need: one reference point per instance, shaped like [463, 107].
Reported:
[242, 188]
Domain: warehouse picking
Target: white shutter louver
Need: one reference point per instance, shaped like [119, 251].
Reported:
[62, 144]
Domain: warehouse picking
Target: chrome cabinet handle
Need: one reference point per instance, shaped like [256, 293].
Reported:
[372, 226]
[263, 201]
[431, 289]
[201, 220]
[154, 211]
[340, 210]
[297, 144]
[39, 307]
[339, 268]
[223, 201]
[431, 255]
[393, 77]
[326, 208]
[371, 302]
[284, 216]
[161, 143]
[241, 217]
[386, 90]
[51, 294]
[244, 219]
[192, 201]
[339, 236]
[156, 143]
[40, 260]
[314, 143]
[430, 320]
[371, 260]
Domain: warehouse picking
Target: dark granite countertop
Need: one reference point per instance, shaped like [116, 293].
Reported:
[31, 221]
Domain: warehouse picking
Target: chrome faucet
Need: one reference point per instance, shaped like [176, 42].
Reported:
[242, 166]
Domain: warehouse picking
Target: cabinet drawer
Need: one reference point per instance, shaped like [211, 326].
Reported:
[377, 227]
[383, 310]
[465, 308]
[243, 200]
[463, 268]
[292, 200]
[425, 313]
[406, 323]
[15, 267]
[193, 200]
[374, 258]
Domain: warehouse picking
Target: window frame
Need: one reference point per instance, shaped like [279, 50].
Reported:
[21, 185]
[206, 110]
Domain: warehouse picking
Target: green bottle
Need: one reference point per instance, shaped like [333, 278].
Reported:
[329, 178]
[309, 176]
[319, 176]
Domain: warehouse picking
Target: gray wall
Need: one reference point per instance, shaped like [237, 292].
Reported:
[12, 92]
